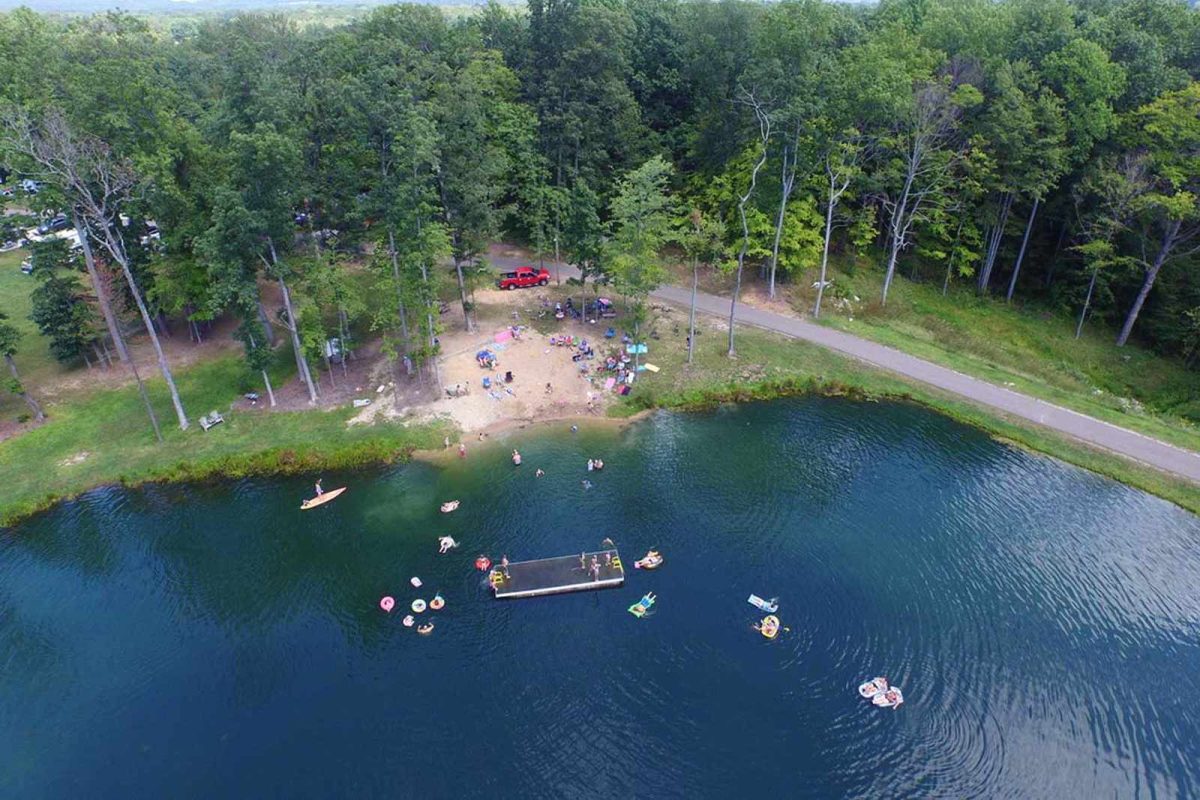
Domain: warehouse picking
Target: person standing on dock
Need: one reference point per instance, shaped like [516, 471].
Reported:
[504, 565]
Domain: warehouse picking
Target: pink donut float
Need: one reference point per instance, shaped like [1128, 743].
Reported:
[387, 603]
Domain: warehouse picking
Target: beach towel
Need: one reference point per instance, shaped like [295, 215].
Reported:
[611, 382]
[503, 336]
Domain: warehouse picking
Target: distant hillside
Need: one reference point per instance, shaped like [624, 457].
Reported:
[340, 8]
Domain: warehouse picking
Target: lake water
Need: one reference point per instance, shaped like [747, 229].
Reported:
[214, 641]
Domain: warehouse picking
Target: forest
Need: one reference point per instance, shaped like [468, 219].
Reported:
[1035, 151]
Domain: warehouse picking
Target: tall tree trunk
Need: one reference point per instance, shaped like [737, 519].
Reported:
[22, 392]
[897, 229]
[270, 391]
[437, 374]
[825, 252]
[985, 275]
[1087, 302]
[342, 345]
[117, 250]
[293, 328]
[301, 361]
[741, 260]
[268, 329]
[1164, 250]
[399, 289]
[787, 180]
[462, 294]
[110, 318]
[1012, 284]
[329, 367]
[692, 313]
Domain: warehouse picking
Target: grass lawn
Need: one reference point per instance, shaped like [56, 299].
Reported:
[33, 358]
[106, 437]
[1031, 349]
[769, 364]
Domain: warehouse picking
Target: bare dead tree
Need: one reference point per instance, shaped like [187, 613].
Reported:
[926, 166]
[842, 162]
[763, 118]
[95, 185]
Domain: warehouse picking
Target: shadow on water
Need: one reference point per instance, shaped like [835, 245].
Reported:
[216, 640]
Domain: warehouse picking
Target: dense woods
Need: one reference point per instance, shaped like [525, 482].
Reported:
[1033, 150]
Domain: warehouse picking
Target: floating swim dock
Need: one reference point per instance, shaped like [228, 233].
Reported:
[558, 575]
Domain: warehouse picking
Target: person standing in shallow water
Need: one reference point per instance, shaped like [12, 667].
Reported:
[462, 450]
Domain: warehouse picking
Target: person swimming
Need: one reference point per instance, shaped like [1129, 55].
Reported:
[539, 473]
[587, 484]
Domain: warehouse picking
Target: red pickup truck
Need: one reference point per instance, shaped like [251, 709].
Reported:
[523, 278]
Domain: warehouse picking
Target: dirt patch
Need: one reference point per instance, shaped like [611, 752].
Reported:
[180, 349]
[545, 384]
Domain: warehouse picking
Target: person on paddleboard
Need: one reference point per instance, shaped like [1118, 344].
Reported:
[320, 491]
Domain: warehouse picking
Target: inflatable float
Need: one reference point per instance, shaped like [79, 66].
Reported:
[387, 603]
[483, 563]
[891, 698]
[653, 560]
[437, 603]
[321, 499]
[416, 582]
[769, 627]
[449, 506]
[418, 605]
[769, 606]
[873, 687]
[425, 630]
[409, 620]
[640, 608]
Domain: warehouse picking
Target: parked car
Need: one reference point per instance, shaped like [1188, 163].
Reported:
[523, 278]
[31, 186]
[56, 223]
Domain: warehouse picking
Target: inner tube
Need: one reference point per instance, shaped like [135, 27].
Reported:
[425, 630]
[770, 627]
[449, 506]
[872, 688]
[418, 605]
[387, 603]
[408, 620]
[483, 563]
[437, 603]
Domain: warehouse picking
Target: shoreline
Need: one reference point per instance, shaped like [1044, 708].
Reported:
[373, 454]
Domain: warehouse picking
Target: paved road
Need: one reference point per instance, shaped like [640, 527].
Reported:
[1161, 455]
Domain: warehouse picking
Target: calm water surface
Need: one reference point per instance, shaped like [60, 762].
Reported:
[216, 642]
